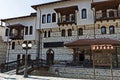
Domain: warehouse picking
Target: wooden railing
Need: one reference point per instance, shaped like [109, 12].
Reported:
[107, 16]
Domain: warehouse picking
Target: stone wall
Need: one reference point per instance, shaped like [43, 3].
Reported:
[3, 51]
[85, 73]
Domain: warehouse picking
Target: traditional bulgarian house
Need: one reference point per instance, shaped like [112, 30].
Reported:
[82, 34]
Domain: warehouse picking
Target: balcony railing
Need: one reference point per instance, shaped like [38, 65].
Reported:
[107, 16]
[16, 36]
[67, 20]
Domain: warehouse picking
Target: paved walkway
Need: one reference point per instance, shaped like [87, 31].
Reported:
[20, 77]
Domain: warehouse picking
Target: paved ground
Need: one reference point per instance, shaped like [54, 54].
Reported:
[20, 77]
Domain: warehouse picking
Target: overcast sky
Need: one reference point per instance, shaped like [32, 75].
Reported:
[16, 8]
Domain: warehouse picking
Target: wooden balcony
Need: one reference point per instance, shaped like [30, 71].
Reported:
[16, 36]
[67, 19]
[107, 16]
[16, 31]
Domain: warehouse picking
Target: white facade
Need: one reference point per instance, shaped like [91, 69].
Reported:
[49, 9]
[60, 53]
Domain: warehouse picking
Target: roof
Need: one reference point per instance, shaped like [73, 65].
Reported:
[35, 6]
[66, 10]
[31, 15]
[89, 42]
[106, 4]
[16, 26]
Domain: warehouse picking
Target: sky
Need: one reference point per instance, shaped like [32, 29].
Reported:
[16, 8]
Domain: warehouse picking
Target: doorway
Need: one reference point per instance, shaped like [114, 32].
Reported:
[50, 57]
[81, 56]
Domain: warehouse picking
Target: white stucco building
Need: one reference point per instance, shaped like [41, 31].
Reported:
[65, 31]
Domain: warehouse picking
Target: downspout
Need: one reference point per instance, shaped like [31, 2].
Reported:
[38, 46]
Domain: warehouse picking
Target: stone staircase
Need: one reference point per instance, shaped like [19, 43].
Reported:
[12, 72]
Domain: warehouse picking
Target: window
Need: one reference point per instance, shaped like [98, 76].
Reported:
[84, 14]
[13, 45]
[48, 18]
[45, 34]
[80, 31]
[44, 19]
[69, 32]
[111, 30]
[54, 17]
[31, 30]
[104, 14]
[26, 30]
[48, 33]
[103, 30]
[63, 33]
[6, 32]
[111, 14]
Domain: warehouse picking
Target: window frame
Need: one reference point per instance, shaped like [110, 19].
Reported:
[13, 45]
[53, 17]
[84, 13]
[45, 34]
[31, 30]
[43, 18]
[63, 32]
[48, 18]
[49, 33]
[69, 32]
[112, 31]
[26, 30]
[6, 32]
[103, 27]
[80, 31]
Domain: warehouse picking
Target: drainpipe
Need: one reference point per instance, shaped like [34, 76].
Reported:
[39, 49]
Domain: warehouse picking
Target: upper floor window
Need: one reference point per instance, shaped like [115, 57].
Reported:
[43, 18]
[111, 30]
[45, 34]
[54, 17]
[72, 17]
[69, 32]
[6, 32]
[26, 30]
[13, 45]
[63, 33]
[80, 31]
[103, 30]
[84, 13]
[111, 14]
[49, 32]
[31, 30]
[48, 18]
[104, 13]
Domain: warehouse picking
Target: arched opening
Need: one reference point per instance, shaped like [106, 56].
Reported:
[103, 30]
[84, 13]
[29, 57]
[48, 18]
[13, 45]
[80, 31]
[69, 32]
[50, 57]
[18, 57]
[63, 33]
[23, 58]
[111, 30]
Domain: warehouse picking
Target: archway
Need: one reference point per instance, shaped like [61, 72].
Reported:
[50, 57]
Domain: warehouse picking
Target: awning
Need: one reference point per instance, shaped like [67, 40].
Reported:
[89, 42]
[112, 4]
